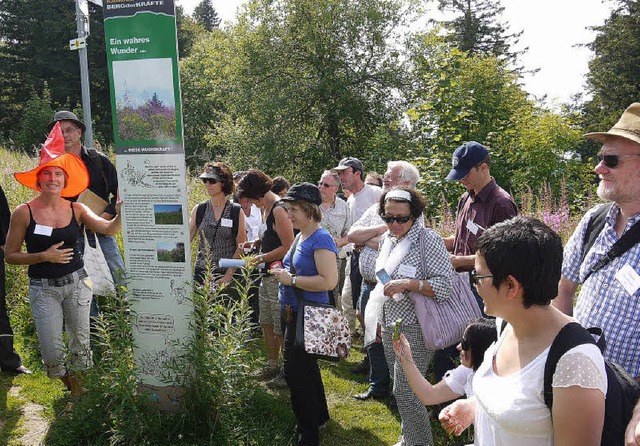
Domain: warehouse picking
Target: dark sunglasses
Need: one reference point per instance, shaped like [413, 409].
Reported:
[474, 278]
[326, 184]
[209, 180]
[612, 161]
[402, 220]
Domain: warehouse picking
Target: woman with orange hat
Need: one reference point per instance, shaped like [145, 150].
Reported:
[59, 287]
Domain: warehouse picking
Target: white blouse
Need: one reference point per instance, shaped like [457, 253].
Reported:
[511, 410]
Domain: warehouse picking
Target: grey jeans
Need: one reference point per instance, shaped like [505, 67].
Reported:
[55, 307]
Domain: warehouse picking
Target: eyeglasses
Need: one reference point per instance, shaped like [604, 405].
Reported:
[474, 278]
[321, 184]
[209, 180]
[612, 161]
[402, 219]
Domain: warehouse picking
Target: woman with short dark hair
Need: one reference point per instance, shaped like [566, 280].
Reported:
[276, 238]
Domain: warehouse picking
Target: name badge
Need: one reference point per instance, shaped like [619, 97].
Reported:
[628, 278]
[472, 227]
[43, 230]
[226, 223]
[407, 270]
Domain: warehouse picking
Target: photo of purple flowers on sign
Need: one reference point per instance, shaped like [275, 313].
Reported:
[145, 100]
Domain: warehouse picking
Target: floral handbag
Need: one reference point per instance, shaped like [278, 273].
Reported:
[322, 330]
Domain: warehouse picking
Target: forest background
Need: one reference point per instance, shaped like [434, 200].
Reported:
[291, 87]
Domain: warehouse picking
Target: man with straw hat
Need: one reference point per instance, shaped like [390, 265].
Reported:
[59, 287]
[100, 195]
[610, 294]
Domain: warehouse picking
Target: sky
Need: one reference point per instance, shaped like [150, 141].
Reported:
[552, 29]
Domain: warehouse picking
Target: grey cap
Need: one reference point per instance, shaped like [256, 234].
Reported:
[347, 162]
[65, 115]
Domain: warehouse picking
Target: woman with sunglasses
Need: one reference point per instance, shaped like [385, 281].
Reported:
[412, 259]
[478, 336]
[214, 220]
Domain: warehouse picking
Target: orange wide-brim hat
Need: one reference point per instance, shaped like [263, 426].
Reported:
[53, 155]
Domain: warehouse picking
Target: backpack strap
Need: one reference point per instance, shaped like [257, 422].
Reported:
[624, 243]
[97, 157]
[202, 207]
[570, 336]
[235, 217]
[594, 228]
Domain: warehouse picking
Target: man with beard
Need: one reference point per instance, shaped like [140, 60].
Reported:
[610, 294]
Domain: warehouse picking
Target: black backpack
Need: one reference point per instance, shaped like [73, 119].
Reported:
[235, 215]
[622, 390]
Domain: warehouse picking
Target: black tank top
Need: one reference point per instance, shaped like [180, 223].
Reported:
[39, 243]
[270, 239]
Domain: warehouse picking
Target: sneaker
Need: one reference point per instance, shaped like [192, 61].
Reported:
[278, 382]
[269, 372]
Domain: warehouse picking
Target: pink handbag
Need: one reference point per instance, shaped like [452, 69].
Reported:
[443, 323]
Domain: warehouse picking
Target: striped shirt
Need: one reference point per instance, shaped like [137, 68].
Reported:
[603, 301]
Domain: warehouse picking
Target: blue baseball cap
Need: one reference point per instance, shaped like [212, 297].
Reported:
[465, 158]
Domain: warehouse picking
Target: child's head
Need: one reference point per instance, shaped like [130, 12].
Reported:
[478, 336]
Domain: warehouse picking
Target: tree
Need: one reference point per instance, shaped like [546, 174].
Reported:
[462, 97]
[477, 29]
[206, 15]
[188, 30]
[33, 126]
[30, 56]
[613, 79]
[297, 84]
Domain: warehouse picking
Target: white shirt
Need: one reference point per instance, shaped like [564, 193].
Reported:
[511, 411]
[460, 380]
[361, 201]
[252, 223]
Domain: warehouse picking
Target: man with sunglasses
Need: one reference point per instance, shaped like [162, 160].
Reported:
[337, 220]
[610, 296]
[483, 205]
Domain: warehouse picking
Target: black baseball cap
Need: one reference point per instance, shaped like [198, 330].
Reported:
[304, 192]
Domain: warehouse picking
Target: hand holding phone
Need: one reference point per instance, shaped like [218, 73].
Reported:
[383, 276]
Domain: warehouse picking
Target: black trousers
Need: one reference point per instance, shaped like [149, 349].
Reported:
[9, 359]
[308, 400]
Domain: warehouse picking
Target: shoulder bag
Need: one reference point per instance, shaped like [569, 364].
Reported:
[322, 330]
[443, 323]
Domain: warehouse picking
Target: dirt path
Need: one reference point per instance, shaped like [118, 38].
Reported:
[34, 425]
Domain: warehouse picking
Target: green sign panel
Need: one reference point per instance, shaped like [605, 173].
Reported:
[143, 72]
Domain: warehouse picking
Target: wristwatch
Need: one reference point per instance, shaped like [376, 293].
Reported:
[293, 280]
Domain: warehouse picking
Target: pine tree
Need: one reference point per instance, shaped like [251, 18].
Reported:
[613, 79]
[206, 15]
[478, 30]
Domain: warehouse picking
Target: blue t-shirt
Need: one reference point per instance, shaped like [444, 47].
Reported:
[305, 265]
